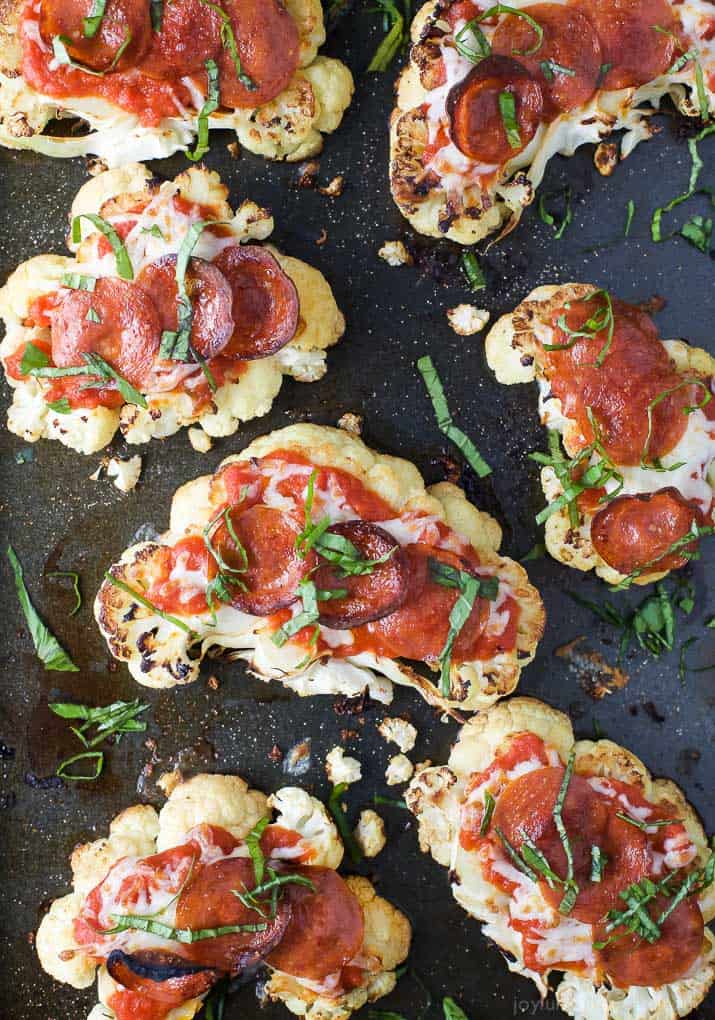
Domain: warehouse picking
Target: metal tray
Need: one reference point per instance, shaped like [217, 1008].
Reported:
[57, 518]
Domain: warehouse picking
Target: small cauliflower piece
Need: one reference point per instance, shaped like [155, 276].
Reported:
[395, 254]
[370, 833]
[300, 812]
[200, 440]
[341, 768]
[216, 800]
[466, 320]
[399, 770]
[124, 473]
[398, 731]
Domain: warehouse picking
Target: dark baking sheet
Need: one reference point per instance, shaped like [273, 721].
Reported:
[57, 519]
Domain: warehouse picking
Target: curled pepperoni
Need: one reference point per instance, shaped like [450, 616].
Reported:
[631, 45]
[209, 902]
[633, 531]
[273, 568]
[325, 930]
[269, 48]
[190, 35]
[159, 975]
[569, 42]
[265, 301]
[211, 300]
[123, 21]
[127, 335]
[478, 128]
[631, 960]
[419, 628]
[369, 596]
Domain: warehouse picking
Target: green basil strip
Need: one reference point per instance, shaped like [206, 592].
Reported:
[49, 651]
[228, 41]
[75, 587]
[630, 213]
[126, 922]
[61, 55]
[156, 11]
[397, 36]
[461, 611]
[483, 48]
[343, 826]
[378, 799]
[688, 410]
[695, 169]
[435, 390]
[569, 898]
[92, 315]
[536, 860]
[549, 69]
[599, 860]
[309, 596]
[253, 842]
[548, 218]
[489, 805]
[124, 264]
[78, 282]
[311, 532]
[341, 552]
[516, 857]
[99, 368]
[211, 104]
[33, 358]
[90, 24]
[61, 406]
[452, 1011]
[473, 271]
[507, 109]
[695, 533]
[96, 756]
[176, 344]
[138, 597]
[118, 718]
[698, 231]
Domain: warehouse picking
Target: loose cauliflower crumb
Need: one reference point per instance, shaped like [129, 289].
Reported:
[200, 440]
[370, 833]
[399, 770]
[168, 781]
[466, 320]
[350, 422]
[124, 473]
[341, 768]
[399, 731]
[395, 254]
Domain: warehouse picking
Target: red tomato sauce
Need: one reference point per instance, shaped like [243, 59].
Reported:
[171, 594]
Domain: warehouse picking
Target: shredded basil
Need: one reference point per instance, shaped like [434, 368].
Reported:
[344, 555]
[154, 230]
[311, 532]
[452, 1011]
[156, 10]
[75, 587]
[143, 601]
[377, 798]
[536, 552]
[102, 370]
[507, 109]
[90, 24]
[336, 810]
[92, 315]
[603, 318]
[127, 922]
[228, 41]
[682, 666]
[489, 805]
[481, 48]
[696, 167]
[49, 651]
[461, 611]
[549, 69]
[33, 357]
[227, 577]
[176, 344]
[250, 899]
[108, 720]
[596, 476]
[630, 213]
[473, 271]
[599, 860]
[643, 826]
[61, 406]
[124, 264]
[679, 545]
[308, 595]
[62, 56]
[78, 282]
[211, 104]
[549, 219]
[253, 842]
[602, 72]
[515, 856]
[536, 860]
[445, 423]
[698, 231]
[656, 465]
[571, 887]
[396, 26]
[96, 756]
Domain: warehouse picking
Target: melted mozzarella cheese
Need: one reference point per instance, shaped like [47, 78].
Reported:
[570, 941]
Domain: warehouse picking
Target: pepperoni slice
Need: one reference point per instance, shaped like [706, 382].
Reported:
[478, 128]
[190, 35]
[211, 300]
[369, 596]
[419, 628]
[631, 960]
[569, 42]
[325, 930]
[631, 46]
[632, 531]
[265, 301]
[209, 902]
[127, 335]
[274, 568]
[269, 47]
[159, 975]
[123, 20]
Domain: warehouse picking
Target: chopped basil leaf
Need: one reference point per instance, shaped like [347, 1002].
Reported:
[343, 826]
[461, 611]
[228, 41]
[61, 54]
[696, 167]
[341, 552]
[599, 860]
[682, 666]
[536, 552]
[124, 264]
[90, 24]
[507, 109]
[128, 922]
[96, 756]
[33, 358]
[396, 27]
[596, 476]
[211, 104]
[695, 533]
[702, 94]
[154, 230]
[698, 231]
[377, 798]
[489, 805]
[138, 597]
[176, 344]
[253, 842]
[638, 824]
[515, 856]
[156, 10]
[61, 406]
[92, 315]
[309, 596]
[109, 720]
[78, 282]
[571, 892]
[452, 1011]
[473, 271]
[549, 69]
[536, 860]
[481, 48]
[311, 532]
[250, 898]
[49, 651]
[450, 577]
[602, 72]
[630, 213]
[445, 424]
[75, 587]
[227, 576]
[102, 370]
[548, 217]
[656, 465]
[602, 318]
